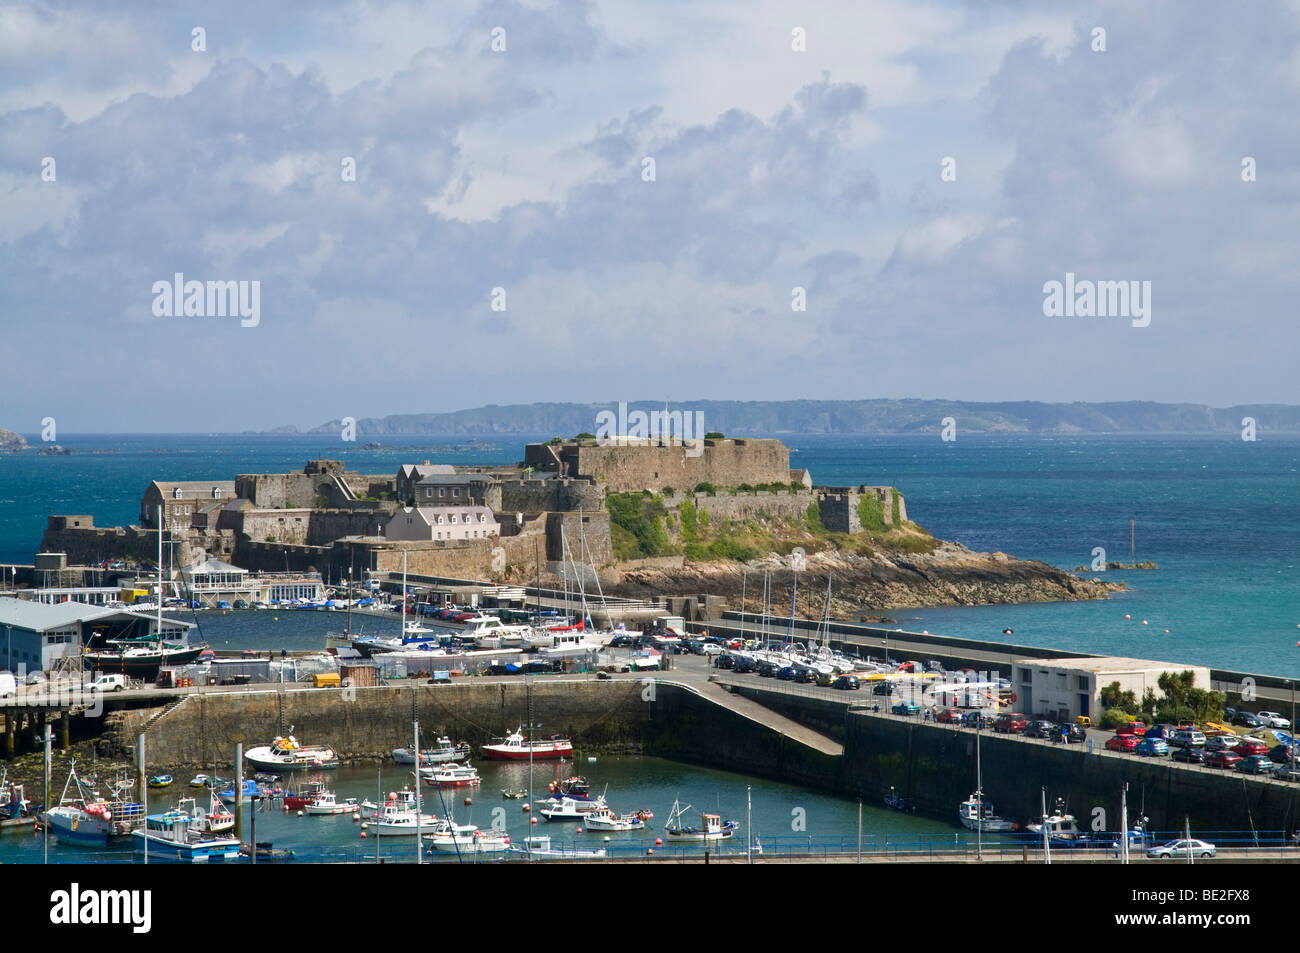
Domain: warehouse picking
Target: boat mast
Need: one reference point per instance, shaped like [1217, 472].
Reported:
[417, 746]
[160, 585]
[419, 847]
[743, 579]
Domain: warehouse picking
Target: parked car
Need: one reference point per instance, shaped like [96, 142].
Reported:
[1183, 849]
[1187, 738]
[1256, 764]
[744, 664]
[787, 674]
[1284, 754]
[1222, 743]
[1039, 729]
[1273, 719]
[977, 719]
[725, 661]
[1152, 748]
[1135, 728]
[848, 682]
[1248, 719]
[1010, 723]
[906, 708]
[1122, 743]
[950, 716]
[1222, 759]
[882, 687]
[1074, 734]
[768, 669]
[1249, 746]
[1163, 732]
[1287, 772]
[1190, 755]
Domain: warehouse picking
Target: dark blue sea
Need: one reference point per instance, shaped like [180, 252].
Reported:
[1220, 517]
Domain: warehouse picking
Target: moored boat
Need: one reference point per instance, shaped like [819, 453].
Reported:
[181, 837]
[568, 809]
[975, 813]
[450, 775]
[444, 751]
[712, 826]
[517, 748]
[286, 754]
[327, 803]
[603, 819]
[539, 848]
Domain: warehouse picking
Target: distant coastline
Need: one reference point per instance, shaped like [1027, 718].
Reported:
[850, 417]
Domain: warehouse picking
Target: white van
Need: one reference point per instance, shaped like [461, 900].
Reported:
[108, 683]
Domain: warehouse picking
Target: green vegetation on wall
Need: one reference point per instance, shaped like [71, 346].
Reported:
[637, 526]
[871, 513]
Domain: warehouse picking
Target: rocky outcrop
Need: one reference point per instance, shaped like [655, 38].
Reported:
[11, 442]
[950, 576]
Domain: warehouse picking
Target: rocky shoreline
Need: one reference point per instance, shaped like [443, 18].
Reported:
[864, 585]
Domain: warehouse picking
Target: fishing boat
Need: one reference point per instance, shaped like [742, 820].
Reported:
[444, 751]
[975, 813]
[181, 837]
[395, 821]
[518, 748]
[1062, 828]
[450, 775]
[160, 781]
[327, 803]
[83, 817]
[286, 754]
[539, 848]
[309, 791]
[603, 819]
[200, 781]
[447, 835]
[404, 799]
[896, 802]
[712, 826]
[250, 790]
[575, 787]
[16, 809]
[568, 809]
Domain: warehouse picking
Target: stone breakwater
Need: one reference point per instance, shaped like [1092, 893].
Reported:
[950, 576]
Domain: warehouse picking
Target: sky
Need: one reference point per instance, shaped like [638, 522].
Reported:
[437, 206]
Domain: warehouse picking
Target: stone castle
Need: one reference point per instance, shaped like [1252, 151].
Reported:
[343, 523]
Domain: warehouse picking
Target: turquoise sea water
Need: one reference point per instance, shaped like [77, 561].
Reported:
[1219, 516]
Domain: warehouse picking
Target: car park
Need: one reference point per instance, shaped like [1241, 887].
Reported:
[1222, 759]
[1189, 755]
[1122, 743]
[1256, 764]
[1152, 748]
[1182, 849]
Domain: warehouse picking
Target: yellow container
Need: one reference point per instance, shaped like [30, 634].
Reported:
[330, 680]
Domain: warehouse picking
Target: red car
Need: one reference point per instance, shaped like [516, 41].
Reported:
[1010, 723]
[1123, 743]
[1135, 728]
[950, 716]
[1248, 746]
[1222, 759]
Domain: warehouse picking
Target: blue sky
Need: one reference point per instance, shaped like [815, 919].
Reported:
[522, 169]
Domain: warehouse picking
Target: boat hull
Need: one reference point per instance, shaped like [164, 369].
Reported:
[539, 753]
